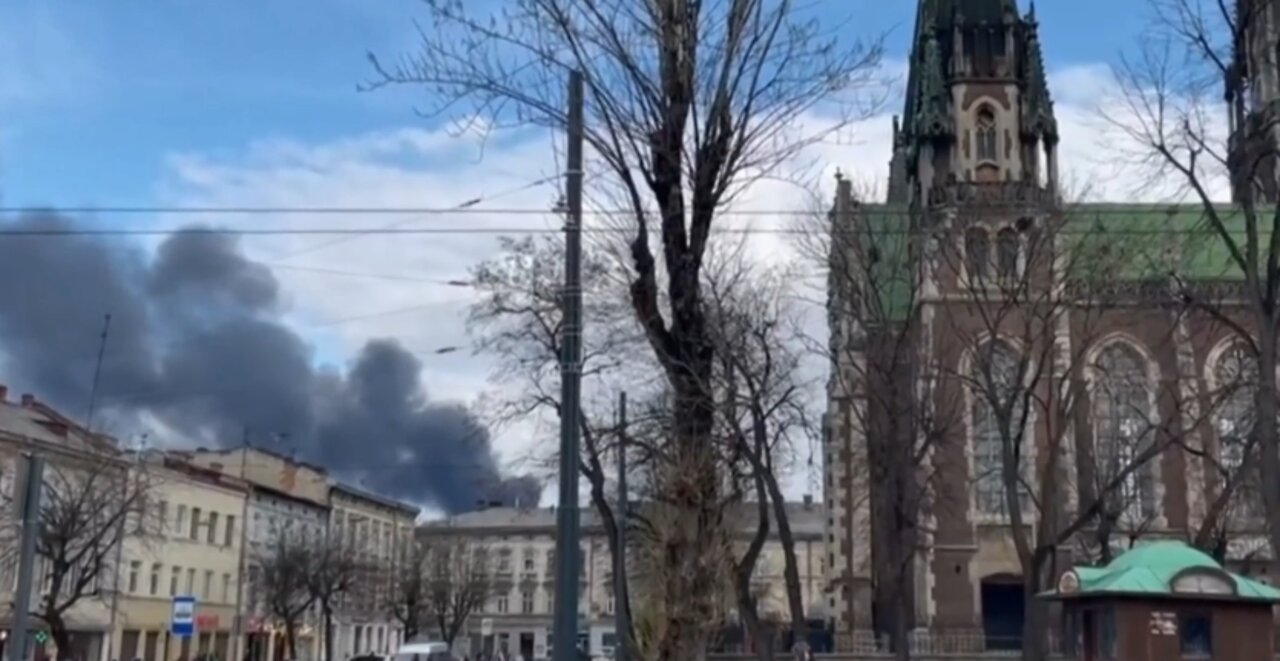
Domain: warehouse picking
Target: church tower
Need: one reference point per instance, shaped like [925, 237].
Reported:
[977, 109]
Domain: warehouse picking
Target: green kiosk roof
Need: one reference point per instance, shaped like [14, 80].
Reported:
[1166, 569]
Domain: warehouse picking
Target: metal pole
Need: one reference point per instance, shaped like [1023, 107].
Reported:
[31, 491]
[565, 629]
[621, 604]
[239, 638]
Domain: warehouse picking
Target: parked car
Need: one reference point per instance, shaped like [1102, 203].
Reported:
[424, 652]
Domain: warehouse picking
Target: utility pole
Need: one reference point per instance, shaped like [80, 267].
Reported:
[621, 600]
[239, 640]
[31, 490]
[565, 629]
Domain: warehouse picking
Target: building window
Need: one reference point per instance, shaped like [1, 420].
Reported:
[191, 581]
[1007, 254]
[995, 374]
[231, 531]
[1196, 631]
[500, 604]
[173, 581]
[1235, 378]
[226, 588]
[162, 515]
[1123, 432]
[135, 567]
[208, 586]
[986, 134]
[504, 560]
[977, 250]
[610, 604]
[181, 523]
[528, 561]
[155, 578]
[195, 524]
[211, 535]
[526, 602]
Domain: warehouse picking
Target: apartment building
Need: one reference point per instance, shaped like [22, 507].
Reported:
[284, 495]
[521, 543]
[377, 531]
[31, 426]
[190, 546]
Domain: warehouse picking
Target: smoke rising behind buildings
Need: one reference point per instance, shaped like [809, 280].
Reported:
[198, 346]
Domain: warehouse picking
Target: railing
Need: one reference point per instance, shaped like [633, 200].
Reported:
[995, 193]
[941, 645]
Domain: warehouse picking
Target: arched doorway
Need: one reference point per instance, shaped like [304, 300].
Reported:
[1003, 604]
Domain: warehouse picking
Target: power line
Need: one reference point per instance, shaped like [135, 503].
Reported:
[473, 202]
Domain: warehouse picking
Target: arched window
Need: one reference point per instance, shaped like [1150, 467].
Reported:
[995, 390]
[1122, 433]
[1007, 254]
[1235, 379]
[986, 134]
[977, 249]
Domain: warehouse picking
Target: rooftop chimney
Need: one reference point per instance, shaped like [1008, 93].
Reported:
[28, 399]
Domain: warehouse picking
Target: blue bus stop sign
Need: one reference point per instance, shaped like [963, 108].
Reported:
[183, 623]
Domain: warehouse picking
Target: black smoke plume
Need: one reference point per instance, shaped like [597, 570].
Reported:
[197, 347]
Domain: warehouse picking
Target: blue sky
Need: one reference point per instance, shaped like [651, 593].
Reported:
[254, 102]
[97, 95]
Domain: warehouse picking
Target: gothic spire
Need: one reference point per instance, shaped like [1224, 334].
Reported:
[1037, 109]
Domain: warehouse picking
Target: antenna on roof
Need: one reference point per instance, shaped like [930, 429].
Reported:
[97, 373]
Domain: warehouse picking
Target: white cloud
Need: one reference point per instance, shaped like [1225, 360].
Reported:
[411, 167]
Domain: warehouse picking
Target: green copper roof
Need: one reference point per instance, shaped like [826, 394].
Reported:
[1150, 569]
[1138, 243]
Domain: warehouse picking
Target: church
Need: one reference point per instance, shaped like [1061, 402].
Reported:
[1019, 382]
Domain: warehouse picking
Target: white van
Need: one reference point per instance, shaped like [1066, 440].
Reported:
[423, 652]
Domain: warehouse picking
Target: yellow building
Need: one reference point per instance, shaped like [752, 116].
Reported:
[193, 550]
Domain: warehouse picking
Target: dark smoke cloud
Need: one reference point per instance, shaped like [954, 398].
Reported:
[197, 344]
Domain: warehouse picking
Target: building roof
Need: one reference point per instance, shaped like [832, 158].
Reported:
[806, 521]
[1128, 242]
[36, 421]
[1150, 570]
[342, 487]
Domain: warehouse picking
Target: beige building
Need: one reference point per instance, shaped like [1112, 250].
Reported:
[30, 426]
[194, 551]
[521, 543]
[284, 495]
[377, 530]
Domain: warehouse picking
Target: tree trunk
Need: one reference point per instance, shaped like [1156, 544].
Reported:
[57, 631]
[791, 572]
[1035, 625]
[328, 633]
[750, 621]
[1268, 444]
[690, 492]
[291, 639]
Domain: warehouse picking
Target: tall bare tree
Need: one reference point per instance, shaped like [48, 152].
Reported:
[688, 103]
[408, 597]
[281, 582]
[459, 581]
[334, 574]
[1195, 111]
[755, 328]
[89, 505]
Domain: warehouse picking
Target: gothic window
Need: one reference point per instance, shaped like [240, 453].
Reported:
[1007, 254]
[977, 248]
[1235, 375]
[986, 134]
[995, 378]
[1122, 424]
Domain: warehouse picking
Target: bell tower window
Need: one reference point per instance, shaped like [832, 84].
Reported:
[986, 134]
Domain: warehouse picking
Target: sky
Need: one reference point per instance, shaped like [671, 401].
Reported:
[236, 103]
